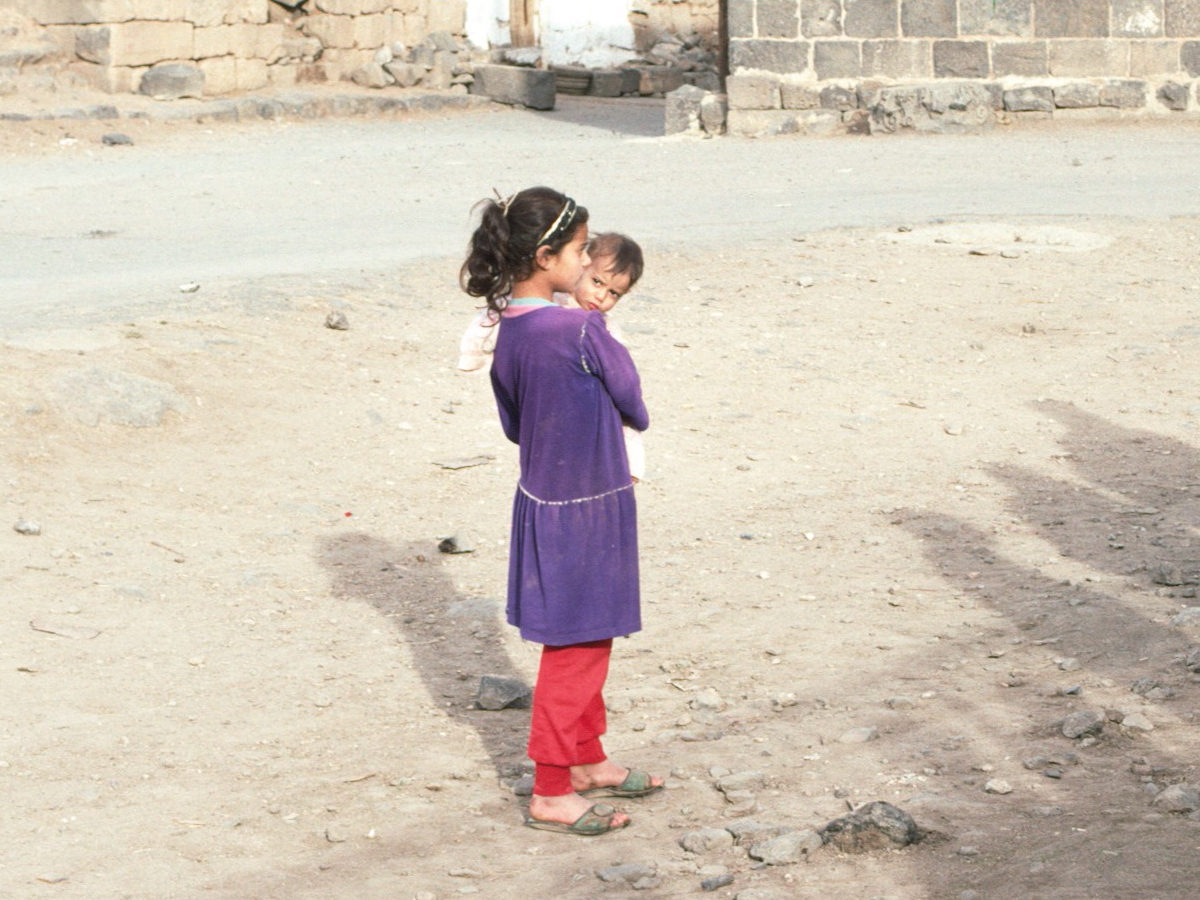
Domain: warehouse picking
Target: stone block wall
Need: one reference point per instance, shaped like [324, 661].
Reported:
[238, 45]
[1138, 55]
[655, 19]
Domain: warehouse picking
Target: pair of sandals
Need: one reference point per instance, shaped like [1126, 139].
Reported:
[598, 819]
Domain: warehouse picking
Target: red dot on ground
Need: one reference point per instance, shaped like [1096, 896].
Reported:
[349, 514]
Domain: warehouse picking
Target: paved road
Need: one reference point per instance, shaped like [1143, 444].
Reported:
[122, 226]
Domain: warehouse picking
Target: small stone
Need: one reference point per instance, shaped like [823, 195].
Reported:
[716, 882]
[954, 429]
[189, 287]
[787, 849]
[1189, 615]
[116, 139]
[967, 851]
[740, 781]
[1070, 664]
[859, 735]
[627, 872]
[337, 321]
[706, 839]
[27, 526]
[1178, 798]
[1081, 723]
[875, 826]
[497, 692]
[1192, 660]
[806, 281]
[456, 544]
[900, 703]
[523, 786]
[1137, 722]
[998, 786]
[707, 699]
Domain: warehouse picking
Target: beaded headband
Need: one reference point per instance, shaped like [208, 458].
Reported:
[559, 225]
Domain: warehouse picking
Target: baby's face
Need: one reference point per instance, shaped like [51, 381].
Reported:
[600, 288]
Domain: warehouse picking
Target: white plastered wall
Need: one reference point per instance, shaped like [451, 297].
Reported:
[596, 34]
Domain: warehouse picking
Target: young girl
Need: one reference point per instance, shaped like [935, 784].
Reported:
[614, 267]
[563, 389]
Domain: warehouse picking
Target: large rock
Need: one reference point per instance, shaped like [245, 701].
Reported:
[951, 108]
[172, 81]
[876, 826]
[683, 110]
[496, 692]
[98, 394]
[516, 85]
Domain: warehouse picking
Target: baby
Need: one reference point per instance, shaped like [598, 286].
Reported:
[615, 267]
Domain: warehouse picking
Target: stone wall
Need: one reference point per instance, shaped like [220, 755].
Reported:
[238, 45]
[655, 19]
[1043, 57]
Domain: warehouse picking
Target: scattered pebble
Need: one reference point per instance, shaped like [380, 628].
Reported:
[337, 321]
[1178, 798]
[189, 287]
[456, 544]
[25, 526]
[116, 139]
[1081, 723]
[1137, 722]
[998, 786]
[716, 882]
[859, 735]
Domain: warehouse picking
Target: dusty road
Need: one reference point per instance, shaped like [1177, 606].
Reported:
[88, 227]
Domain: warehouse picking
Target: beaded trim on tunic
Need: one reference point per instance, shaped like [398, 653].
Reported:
[582, 358]
[521, 488]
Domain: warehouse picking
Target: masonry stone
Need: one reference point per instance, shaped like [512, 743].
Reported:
[220, 75]
[446, 15]
[1173, 96]
[752, 92]
[1137, 18]
[210, 42]
[1076, 59]
[334, 32]
[1123, 94]
[960, 59]
[73, 12]
[1181, 18]
[1077, 95]
[767, 122]
[606, 83]
[682, 114]
[995, 18]
[352, 7]
[939, 108]
[897, 59]
[714, 111]
[659, 80]
[837, 59]
[784, 57]
[1072, 19]
[778, 19]
[172, 81]
[1189, 58]
[740, 19]
[1154, 58]
[799, 96]
[929, 18]
[516, 85]
[1029, 99]
[372, 31]
[135, 43]
[406, 75]
[820, 18]
[871, 18]
[1020, 58]
[837, 97]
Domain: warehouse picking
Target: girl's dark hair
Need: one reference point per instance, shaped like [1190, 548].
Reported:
[624, 251]
[503, 247]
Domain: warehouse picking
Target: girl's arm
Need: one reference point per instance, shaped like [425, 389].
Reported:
[609, 361]
[510, 416]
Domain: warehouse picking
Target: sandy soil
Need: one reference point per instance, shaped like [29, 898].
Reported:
[892, 485]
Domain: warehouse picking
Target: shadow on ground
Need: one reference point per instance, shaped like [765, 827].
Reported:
[627, 116]
[453, 639]
[1126, 507]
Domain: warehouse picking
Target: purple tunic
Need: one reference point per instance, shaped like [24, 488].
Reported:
[563, 388]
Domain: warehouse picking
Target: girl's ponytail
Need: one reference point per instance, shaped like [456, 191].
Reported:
[503, 246]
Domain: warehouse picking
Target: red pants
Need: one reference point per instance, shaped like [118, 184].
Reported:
[568, 714]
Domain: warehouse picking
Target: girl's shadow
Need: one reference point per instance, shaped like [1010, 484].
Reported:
[453, 639]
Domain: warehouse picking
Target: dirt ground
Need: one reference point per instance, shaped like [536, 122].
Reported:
[919, 481]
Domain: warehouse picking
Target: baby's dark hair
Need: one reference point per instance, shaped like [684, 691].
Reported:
[626, 254]
[510, 232]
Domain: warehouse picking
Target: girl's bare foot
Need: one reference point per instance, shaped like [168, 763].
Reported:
[567, 809]
[606, 774]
